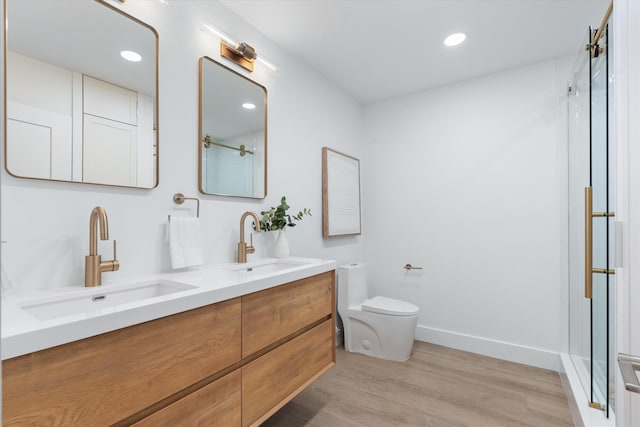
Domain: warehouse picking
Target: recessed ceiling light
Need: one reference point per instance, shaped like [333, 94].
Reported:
[249, 105]
[130, 55]
[455, 39]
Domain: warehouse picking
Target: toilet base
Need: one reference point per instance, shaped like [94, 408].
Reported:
[382, 336]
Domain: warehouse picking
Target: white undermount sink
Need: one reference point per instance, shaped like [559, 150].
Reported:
[268, 267]
[90, 300]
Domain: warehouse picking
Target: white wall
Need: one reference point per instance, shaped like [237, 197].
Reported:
[469, 182]
[46, 224]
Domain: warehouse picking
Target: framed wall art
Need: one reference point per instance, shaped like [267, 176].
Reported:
[340, 194]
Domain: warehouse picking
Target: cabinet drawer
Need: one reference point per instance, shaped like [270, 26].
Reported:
[214, 405]
[103, 379]
[275, 378]
[272, 314]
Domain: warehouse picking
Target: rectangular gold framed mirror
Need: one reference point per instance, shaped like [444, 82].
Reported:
[232, 142]
[81, 86]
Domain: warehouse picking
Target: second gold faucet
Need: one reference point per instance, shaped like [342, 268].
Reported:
[93, 264]
[243, 249]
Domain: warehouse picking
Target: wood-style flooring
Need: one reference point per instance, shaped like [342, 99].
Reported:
[438, 387]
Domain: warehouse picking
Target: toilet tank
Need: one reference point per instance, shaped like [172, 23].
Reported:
[352, 285]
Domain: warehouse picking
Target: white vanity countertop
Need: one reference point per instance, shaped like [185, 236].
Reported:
[23, 333]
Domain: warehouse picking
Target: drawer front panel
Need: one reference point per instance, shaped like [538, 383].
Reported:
[272, 314]
[106, 378]
[215, 405]
[276, 377]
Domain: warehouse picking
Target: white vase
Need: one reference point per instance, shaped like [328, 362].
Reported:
[281, 249]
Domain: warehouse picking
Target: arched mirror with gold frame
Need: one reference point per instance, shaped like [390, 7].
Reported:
[233, 133]
[75, 109]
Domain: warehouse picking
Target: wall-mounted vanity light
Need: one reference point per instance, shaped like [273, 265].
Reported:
[242, 54]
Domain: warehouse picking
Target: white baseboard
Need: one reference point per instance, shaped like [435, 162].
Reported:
[493, 348]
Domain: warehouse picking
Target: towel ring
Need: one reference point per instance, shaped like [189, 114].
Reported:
[179, 199]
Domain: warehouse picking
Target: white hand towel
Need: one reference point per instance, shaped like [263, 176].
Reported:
[185, 243]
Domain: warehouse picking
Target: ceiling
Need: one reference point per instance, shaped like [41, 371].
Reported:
[381, 49]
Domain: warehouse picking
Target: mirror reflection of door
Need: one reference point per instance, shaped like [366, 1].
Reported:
[233, 133]
[226, 172]
[76, 109]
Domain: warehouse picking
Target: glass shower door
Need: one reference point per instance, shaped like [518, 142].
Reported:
[600, 213]
[590, 232]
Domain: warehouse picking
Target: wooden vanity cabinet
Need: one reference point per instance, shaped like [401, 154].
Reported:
[215, 405]
[275, 313]
[228, 364]
[296, 324]
[106, 378]
[272, 380]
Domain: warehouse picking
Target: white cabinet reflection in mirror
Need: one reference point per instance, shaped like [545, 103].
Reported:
[76, 111]
[117, 123]
[39, 119]
[118, 135]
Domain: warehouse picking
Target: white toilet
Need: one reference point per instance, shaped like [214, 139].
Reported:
[379, 327]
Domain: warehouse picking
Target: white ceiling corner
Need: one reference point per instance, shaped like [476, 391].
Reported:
[381, 49]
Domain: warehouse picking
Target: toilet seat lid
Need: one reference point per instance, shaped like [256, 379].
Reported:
[394, 307]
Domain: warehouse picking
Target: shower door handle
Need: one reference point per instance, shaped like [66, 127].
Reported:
[588, 242]
[628, 366]
[589, 214]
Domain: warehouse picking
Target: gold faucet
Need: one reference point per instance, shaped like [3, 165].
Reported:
[243, 249]
[93, 264]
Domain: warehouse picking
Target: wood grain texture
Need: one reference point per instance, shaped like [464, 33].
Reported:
[103, 379]
[325, 194]
[272, 379]
[437, 387]
[272, 314]
[215, 405]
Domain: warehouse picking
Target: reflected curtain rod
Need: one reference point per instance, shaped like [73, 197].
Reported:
[208, 142]
[600, 31]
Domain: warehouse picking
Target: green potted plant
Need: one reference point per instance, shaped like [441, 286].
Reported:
[277, 219]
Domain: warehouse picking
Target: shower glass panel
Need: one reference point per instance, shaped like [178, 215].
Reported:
[589, 159]
[579, 171]
[228, 172]
[601, 228]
